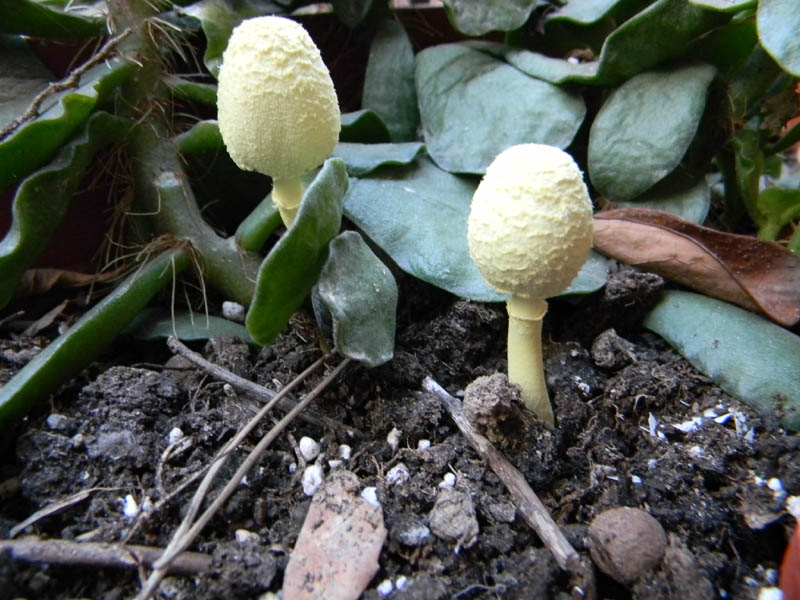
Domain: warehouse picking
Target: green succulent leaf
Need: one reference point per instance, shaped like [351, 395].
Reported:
[467, 121]
[778, 24]
[745, 354]
[294, 263]
[554, 70]
[389, 87]
[362, 159]
[583, 12]
[477, 17]
[725, 5]
[89, 336]
[204, 94]
[592, 276]
[203, 136]
[38, 19]
[689, 199]
[37, 140]
[158, 324]
[657, 34]
[364, 127]
[780, 206]
[42, 200]
[360, 295]
[644, 129]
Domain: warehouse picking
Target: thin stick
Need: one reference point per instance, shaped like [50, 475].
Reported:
[247, 386]
[69, 82]
[528, 504]
[102, 555]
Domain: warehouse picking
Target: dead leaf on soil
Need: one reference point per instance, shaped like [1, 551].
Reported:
[336, 554]
[40, 281]
[758, 275]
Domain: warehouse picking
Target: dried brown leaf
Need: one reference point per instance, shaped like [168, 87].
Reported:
[755, 274]
[41, 281]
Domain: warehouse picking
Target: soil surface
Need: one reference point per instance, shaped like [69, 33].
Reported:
[637, 426]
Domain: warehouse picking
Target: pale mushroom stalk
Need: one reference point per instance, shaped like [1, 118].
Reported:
[525, 362]
[287, 194]
[529, 232]
[277, 107]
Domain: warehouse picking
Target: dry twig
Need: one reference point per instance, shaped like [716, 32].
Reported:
[528, 504]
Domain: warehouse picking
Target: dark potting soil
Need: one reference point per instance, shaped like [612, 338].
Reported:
[637, 426]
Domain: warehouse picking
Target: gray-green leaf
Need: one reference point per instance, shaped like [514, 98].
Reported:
[389, 82]
[360, 295]
[644, 129]
[745, 354]
[467, 118]
[476, 17]
[778, 24]
[361, 159]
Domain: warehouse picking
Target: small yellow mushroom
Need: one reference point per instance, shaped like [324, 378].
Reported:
[277, 108]
[529, 232]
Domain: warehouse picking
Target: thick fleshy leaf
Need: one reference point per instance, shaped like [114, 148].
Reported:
[360, 295]
[778, 22]
[89, 336]
[43, 199]
[418, 215]
[780, 206]
[583, 12]
[351, 12]
[554, 70]
[363, 127]
[362, 159]
[204, 94]
[389, 87]
[36, 141]
[758, 275]
[747, 356]
[592, 276]
[37, 19]
[467, 121]
[218, 18]
[725, 5]
[644, 129]
[293, 264]
[477, 17]
[659, 33]
[158, 324]
[203, 136]
[688, 199]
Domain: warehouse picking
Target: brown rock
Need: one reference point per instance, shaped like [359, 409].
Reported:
[626, 543]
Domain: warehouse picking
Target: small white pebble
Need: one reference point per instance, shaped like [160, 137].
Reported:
[397, 475]
[775, 484]
[174, 435]
[385, 587]
[423, 445]
[292, 468]
[636, 480]
[370, 494]
[77, 441]
[244, 482]
[652, 424]
[309, 449]
[573, 60]
[770, 593]
[147, 505]
[335, 463]
[243, 536]
[449, 480]
[722, 419]
[771, 576]
[228, 389]
[652, 464]
[710, 413]
[129, 507]
[401, 582]
[793, 506]
[690, 425]
[740, 420]
[751, 582]
[312, 479]
[393, 438]
[345, 452]
[696, 451]
[233, 311]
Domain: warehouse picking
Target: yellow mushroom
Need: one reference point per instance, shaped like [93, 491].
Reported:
[277, 108]
[529, 232]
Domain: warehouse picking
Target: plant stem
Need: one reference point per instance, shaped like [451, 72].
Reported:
[287, 195]
[525, 364]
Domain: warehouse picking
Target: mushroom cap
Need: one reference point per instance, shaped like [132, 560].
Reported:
[530, 224]
[277, 107]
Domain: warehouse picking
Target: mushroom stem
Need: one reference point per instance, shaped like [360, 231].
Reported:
[525, 364]
[287, 194]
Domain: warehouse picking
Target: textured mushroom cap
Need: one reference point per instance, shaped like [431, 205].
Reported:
[530, 224]
[278, 111]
